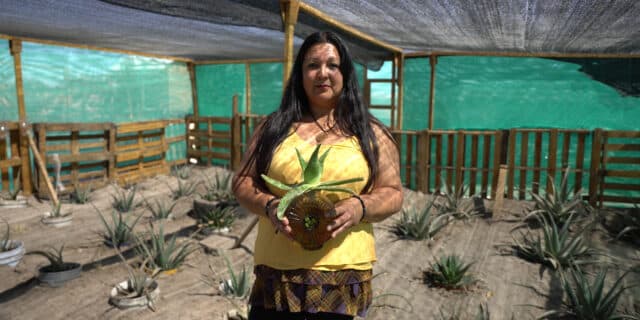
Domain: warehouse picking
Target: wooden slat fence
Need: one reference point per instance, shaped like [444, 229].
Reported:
[615, 176]
[536, 155]
[84, 151]
[140, 151]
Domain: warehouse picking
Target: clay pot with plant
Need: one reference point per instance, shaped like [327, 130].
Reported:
[309, 212]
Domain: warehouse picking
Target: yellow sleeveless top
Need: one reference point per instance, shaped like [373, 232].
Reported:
[353, 248]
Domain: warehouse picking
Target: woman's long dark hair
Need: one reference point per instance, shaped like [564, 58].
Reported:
[351, 116]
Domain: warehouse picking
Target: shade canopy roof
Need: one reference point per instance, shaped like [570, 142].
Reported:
[252, 29]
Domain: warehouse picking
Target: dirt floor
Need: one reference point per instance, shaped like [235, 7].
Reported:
[508, 285]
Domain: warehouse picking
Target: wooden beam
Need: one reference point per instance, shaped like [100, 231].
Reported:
[424, 54]
[350, 30]
[400, 81]
[289, 9]
[194, 88]
[239, 61]
[247, 89]
[433, 60]
[15, 47]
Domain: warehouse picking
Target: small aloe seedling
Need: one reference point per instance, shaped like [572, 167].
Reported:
[161, 253]
[5, 242]
[120, 230]
[238, 283]
[218, 188]
[559, 203]
[183, 172]
[311, 174]
[56, 210]
[216, 217]
[81, 194]
[450, 272]
[56, 262]
[184, 189]
[161, 210]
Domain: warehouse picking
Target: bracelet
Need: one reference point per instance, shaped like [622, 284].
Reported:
[364, 209]
[266, 206]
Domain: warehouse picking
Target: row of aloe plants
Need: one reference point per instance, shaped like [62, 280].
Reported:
[560, 220]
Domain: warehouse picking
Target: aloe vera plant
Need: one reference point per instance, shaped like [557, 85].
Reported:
[311, 174]
[161, 253]
[56, 261]
[120, 230]
[161, 210]
[184, 189]
[450, 272]
[456, 204]
[5, 241]
[589, 300]
[420, 224]
[559, 203]
[309, 211]
[123, 200]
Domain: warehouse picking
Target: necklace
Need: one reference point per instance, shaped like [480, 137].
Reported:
[325, 133]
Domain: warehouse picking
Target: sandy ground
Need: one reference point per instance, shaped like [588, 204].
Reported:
[507, 285]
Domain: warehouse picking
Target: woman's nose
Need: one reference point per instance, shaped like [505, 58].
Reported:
[323, 71]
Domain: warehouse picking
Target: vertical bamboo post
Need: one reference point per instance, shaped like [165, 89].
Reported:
[422, 158]
[289, 10]
[15, 47]
[247, 89]
[236, 152]
[553, 155]
[433, 60]
[460, 157]
[41, 166]
[111, 147]
[394, 110]
[400, 81]
[194, 89]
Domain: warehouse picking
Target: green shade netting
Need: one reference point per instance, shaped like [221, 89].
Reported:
[8, 100]
[76, 85]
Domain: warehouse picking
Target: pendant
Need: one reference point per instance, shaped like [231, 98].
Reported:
[321, 137]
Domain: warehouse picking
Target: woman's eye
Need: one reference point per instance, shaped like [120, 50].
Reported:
[312, 65]
[334, 66]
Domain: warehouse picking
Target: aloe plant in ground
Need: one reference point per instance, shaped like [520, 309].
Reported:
[559, 203]
[162, 253]
[120, 230]
[587, 300]
[557, 247]
[81, 194]
[629, 224]
[455, 202]
[237, 285]
[420, 224]
[304, 206]
[218, 189]
[483, 314]
[450, 272]
[160, 210]
[181, 171]
[124, 200]
[184, 189]
[140, 283]
[216, 217]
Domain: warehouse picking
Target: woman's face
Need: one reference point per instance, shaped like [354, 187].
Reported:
[322, 79]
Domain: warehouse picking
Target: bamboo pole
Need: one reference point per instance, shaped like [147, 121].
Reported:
[42, 167]
[289, 10]
[194, 88]
[497, 206]
[15, 47]
[433, 60]
[95, 48]
[236, 134]
[350, 30]
[247, 90]
[400, 80]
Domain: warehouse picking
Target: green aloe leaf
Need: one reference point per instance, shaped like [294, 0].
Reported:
[303, 163]
[338, 182]
[313, 171]
[335, 189]
[285, 201]
[276, 183]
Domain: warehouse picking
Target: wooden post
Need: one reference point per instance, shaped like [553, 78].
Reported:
[594, 171]
[236, 135]
[15, 47]
[422, 162]
[194, 89]
[433, 60]
[400, 81]
[497, 206]
[111, 146]
[42, 167]
[289, 10]
[460, 156]
[247, 90]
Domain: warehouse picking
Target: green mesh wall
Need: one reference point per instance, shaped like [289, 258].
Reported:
[217, 84]
[8, 100]
[74, 85]
[415, 101]
[266, 87]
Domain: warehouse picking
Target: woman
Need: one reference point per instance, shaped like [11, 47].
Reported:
[321, 105]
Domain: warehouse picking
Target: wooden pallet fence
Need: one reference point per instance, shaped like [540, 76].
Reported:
[140, 151]
[407, 142]
[458, 159]
[615, 171]
[209, 140]
[10, 159]
[84, 152]
[176, 140]
[538, 159]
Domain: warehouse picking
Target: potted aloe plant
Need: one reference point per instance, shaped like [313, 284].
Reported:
[12, 198]
[140, 290]
[308, 211]
[56, 217]
[58, 271]
[217, 193]
[11, 251]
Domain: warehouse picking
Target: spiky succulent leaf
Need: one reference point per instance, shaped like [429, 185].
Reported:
[303, 163]
[313, 171]
[276, 183]
[285, 201]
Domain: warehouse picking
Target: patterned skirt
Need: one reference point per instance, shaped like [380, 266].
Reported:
[345, 292]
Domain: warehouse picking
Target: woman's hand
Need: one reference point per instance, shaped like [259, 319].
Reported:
[281, 226]
[348, 213]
